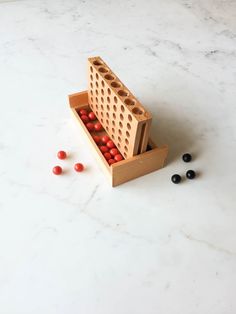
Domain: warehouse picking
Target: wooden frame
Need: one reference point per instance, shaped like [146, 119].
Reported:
[125, 170]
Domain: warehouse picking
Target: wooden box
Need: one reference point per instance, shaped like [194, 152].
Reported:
[125, 170]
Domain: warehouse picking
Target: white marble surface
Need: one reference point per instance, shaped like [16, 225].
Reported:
[72, 244]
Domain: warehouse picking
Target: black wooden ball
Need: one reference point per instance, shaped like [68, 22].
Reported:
[176, 178]
[190, 174]
[187, 157]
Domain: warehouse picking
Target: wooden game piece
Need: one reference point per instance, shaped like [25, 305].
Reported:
[61, 154]
[126, 121]
[79, 167]
[57, 170]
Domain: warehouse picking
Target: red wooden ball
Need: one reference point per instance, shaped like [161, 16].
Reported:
[96, 139]
[107, 156]
[90, 126]
[114, 151]
[98, 126]
[104, 149]
[83, 112]
[92, 116]
[105, 139]
[84, 118]
[61, 154]
[79, 167]
[110, 144]
[111, 161]
[57, 170]
[118, 157]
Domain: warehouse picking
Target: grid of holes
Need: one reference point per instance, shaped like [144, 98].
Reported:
[114, 116]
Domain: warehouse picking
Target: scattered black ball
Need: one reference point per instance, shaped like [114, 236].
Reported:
[190, 174]
[187, 157]
[176, 178]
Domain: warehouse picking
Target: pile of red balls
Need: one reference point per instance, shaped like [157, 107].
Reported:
[105, 144]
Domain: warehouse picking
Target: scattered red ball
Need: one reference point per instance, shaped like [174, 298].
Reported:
[57, 170]
[96, 139]
[114, 151]
[61, 154]
[79, 167]
[98, 126]
[110, 144]
[111, 161]
[84, 118]
[105, 139]
[107, 156]
[92, 116]
[104, 149]
[118, 157]
[90, 126]
[83, 112]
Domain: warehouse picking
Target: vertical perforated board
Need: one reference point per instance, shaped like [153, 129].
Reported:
[123, 117]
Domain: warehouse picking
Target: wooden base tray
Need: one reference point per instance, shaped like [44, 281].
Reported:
[125, 170]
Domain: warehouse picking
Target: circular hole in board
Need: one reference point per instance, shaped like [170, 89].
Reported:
[114, 115]
[108, 107]
[122, 108]
[97, 84]
[108, 99]
[113, 122]
[119, 139]
[96, 62]
[103, 84]
[102, 120]
[118, 144]
[114, 108]
[115, 84]
[107, 128]
[109, 77]
[91, 92]
[107, 114]
[102, 91]
[125, 154]
[128, 126]
[96, 112]
[121, 117]
[126, 142]
[97, 77]
[96, 91]
[127, 134]
[102, 99]
[137, 111]
[96, 99]
[109, 91]
[112, 136]
[102, 107]
[130, 117]
[122, 93]
[91, 85]
[102, 114]
[91, 99]
[120, 124]
[96, 106]
[113, 130]
[91, 69]
[107, 122]
[129, 102]
[102, 70]
[119, 131]
[115, 99]
[91, 77]
[126, 148]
